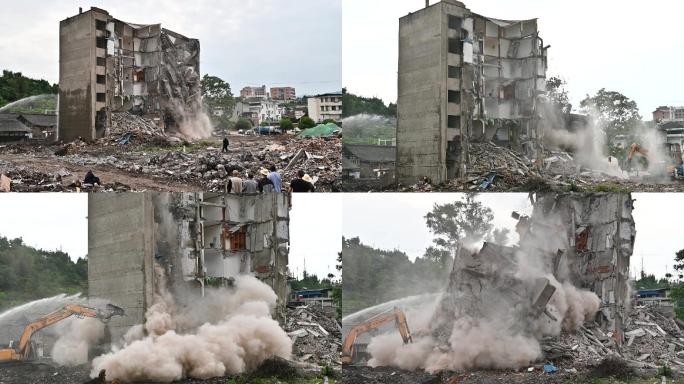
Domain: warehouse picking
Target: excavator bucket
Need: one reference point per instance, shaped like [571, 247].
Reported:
[112, 310]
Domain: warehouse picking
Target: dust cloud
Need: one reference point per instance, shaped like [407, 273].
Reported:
[486, 318]
[76, 338]
[229, 331]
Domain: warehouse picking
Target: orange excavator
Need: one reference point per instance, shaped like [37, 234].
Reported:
[674, 169]
[24, 349]
[397, 316]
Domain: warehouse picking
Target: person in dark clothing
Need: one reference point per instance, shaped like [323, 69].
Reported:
[225, 145]
[90, 178]
[265, 184]
[301, 184]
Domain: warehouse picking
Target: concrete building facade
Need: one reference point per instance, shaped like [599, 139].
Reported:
[250, 92]
[325, 106]
[199, 239]
[461, 77]
[664, 114]
[107, 65]
[283, 93]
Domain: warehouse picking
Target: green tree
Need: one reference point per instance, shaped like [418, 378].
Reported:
[464, 221]
[556, 89]
[15, 86]
[355, 105]
[243, 124]
[617, 114]
[286, 124]
[327, 121]
[306, 122]
[217, 95]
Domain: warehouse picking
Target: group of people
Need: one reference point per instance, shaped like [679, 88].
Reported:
[268, 182]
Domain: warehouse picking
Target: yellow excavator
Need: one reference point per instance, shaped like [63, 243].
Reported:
[397, 316]
[24, 350]
[675, 168]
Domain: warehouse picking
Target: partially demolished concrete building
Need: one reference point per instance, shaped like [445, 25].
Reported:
[464, 76]
[584, 240]
[199, 239]
[107, 65]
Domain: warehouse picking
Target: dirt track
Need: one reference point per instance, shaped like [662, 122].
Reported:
[47, 163]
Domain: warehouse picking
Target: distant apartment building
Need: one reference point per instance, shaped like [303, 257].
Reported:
[464, 76]
[254, 92]
[258, 111]
[665, 114]
[325, 106]
[283, 93]
[107, 65]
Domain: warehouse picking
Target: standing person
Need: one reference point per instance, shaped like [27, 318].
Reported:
[265, 184]
[301, 184]
[274, 176]
[250, 186]
[225, 144]
[235, 183]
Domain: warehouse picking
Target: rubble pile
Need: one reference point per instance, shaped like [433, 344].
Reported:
[498, 168]
[25, 179]
[316, 335]
[651, 341]
[124, 123]
[209, 167]
[319, 157]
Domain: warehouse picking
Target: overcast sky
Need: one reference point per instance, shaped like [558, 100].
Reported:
[315, 233]
[632, 47]
[49, 221]
[245, 42]
[396, 221]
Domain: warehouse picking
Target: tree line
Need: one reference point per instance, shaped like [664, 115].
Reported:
[15, 86]
[28, 273]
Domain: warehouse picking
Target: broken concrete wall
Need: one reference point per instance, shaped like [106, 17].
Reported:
[116, 66]
[462, 77]
[600, 232]
[120, 254]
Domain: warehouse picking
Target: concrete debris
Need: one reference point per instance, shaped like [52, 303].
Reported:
[496, 168]
[125, 122]
[316, 335]
[649, 347]
[27, 179]
[153, 162]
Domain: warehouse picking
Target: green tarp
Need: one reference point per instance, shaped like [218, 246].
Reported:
[320, 130]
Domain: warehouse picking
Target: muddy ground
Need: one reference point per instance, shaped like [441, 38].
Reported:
[157, 165]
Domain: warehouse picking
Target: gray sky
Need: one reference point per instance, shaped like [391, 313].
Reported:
[315, 233]
[625, 46]
[49, 221]
[245, 42]
[396, 221]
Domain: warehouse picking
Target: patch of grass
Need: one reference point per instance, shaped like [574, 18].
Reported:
[574, 188]
[665, 370]
[613, 188]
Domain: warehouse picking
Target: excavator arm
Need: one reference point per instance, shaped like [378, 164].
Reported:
[634, 148]
[397, 316]
[21, 352]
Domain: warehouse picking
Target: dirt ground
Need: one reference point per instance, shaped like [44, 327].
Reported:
[155, 165]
